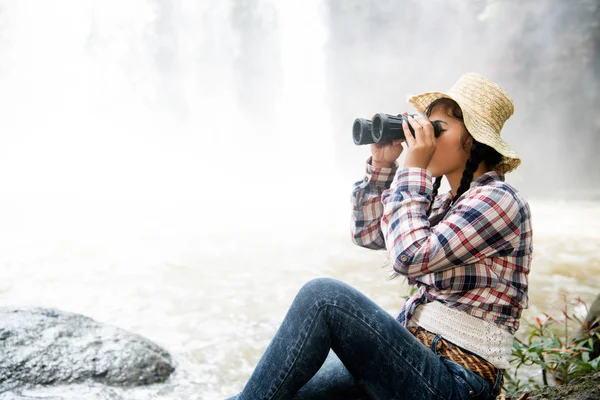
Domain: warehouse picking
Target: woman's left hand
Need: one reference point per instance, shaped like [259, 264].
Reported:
[421, 145]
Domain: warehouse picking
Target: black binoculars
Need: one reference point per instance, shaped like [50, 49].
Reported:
[384, 128]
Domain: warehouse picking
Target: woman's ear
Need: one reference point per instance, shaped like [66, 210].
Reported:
[467, 142]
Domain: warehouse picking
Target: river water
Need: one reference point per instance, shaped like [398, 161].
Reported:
[139, 187]
[214, 298]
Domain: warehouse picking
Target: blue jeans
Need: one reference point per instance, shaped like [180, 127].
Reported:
[335, 343]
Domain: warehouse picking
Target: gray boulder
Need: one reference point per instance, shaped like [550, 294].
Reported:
[51, 347]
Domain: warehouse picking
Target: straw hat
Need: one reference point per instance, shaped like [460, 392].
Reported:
[485, 107]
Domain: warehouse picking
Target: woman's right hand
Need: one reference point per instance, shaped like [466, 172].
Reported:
[384, 154]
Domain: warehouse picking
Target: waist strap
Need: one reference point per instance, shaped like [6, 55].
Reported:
[460, 356]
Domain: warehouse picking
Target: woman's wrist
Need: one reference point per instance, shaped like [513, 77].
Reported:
[381, 164]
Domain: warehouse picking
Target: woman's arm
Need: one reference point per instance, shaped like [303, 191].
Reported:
[366, 205]
[484, 223]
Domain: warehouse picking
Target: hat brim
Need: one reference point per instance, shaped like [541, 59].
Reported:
[477, 127]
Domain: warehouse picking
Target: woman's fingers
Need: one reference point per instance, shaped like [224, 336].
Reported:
[410, 139]
[428, 133]
[417, 128]
[421, 143]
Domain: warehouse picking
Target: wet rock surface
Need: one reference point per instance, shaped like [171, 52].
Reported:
[584, 388]
[51, 347]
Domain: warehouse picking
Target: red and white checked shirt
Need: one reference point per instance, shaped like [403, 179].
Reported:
[474, 256]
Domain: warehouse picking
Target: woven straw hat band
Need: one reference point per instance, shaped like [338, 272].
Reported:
[485, 107]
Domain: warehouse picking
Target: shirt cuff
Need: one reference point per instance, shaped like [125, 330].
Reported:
[380, 176]
[413, 179]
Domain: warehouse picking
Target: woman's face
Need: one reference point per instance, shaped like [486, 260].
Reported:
[450, 156]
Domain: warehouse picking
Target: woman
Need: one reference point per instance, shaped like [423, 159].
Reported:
[468, 252]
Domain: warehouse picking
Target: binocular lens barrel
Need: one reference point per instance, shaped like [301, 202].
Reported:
[384, 128]
[388, 127]
[361, 131]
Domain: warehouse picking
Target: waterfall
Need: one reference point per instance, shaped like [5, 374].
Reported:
[145, 105]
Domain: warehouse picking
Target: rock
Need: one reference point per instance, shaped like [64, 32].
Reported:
[51, 347]
[582, 388]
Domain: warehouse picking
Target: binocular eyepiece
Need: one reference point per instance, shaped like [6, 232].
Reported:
[384, 128]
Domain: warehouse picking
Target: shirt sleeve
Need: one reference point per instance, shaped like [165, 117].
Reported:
[366, 205]
[484, 223]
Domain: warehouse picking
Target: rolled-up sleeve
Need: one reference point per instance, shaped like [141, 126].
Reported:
[367, 208]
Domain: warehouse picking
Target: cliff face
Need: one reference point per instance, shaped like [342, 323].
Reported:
[545, 53]
[552, 57]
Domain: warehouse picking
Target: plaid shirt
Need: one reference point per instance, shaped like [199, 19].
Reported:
[474, 256]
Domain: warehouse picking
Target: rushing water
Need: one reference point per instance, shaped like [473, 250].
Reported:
[215, 300]
[141, 185]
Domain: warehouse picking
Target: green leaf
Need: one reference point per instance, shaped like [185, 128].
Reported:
[572, 368]
[585, 357]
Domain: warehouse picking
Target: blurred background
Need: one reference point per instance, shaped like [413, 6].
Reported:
[181, 168]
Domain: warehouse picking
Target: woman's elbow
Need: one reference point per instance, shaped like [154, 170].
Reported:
[367, 242]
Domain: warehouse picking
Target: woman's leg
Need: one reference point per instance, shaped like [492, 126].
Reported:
[386, 361]
[331, 382]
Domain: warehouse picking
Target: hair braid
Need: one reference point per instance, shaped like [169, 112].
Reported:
[467, 177]
[436, 187]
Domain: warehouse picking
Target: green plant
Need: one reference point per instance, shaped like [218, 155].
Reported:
[562, 348]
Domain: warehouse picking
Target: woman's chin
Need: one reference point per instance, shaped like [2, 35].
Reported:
[433, 170]
[436, 171]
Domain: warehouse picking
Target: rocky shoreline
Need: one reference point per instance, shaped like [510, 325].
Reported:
[53, 354]
[41, 347]
[586, 387]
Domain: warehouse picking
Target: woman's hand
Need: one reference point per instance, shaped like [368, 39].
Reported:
[384, 154]
[421, 145]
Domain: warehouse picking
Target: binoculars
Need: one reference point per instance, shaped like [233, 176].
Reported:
[384, 128]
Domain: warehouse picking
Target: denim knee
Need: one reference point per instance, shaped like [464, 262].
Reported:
[319, 287]
[321, 291]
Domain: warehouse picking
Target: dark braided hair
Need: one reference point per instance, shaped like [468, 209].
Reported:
[479, 152]
[470, 168]
[436, 187]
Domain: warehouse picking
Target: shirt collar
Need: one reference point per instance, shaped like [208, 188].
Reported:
[481, 180]
[487, 178]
